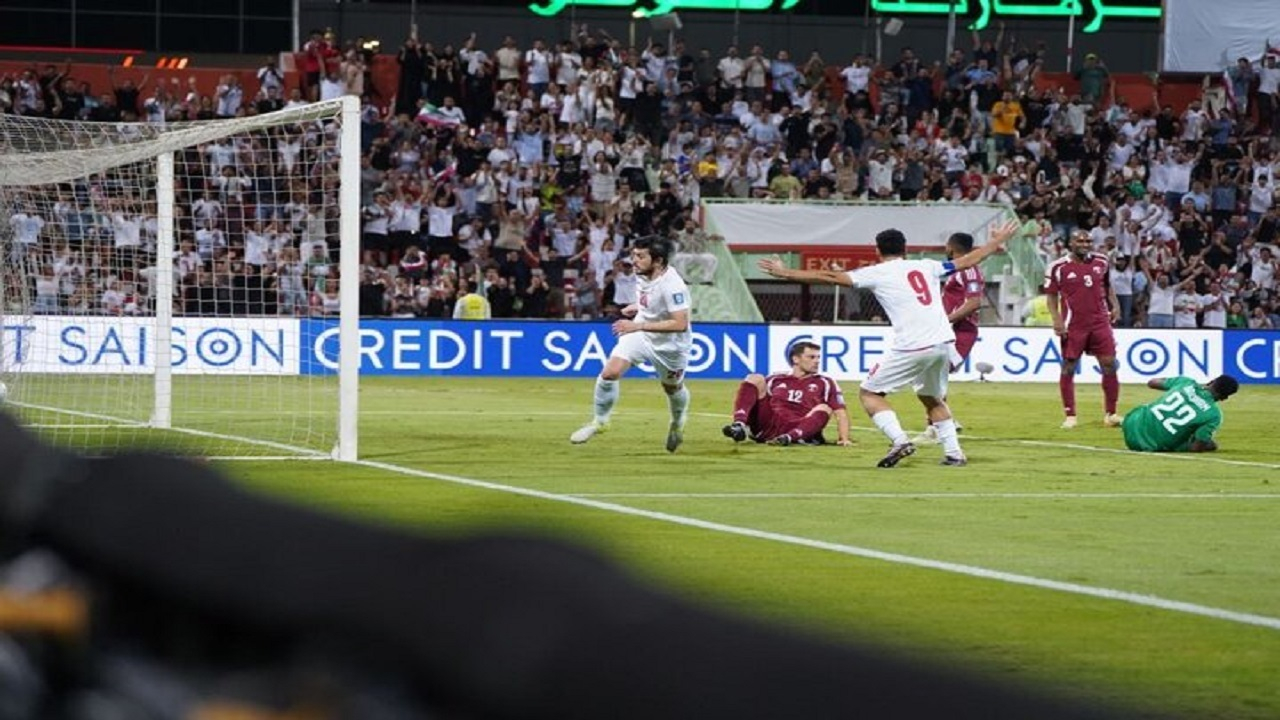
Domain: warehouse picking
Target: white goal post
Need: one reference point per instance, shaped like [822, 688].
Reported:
[230, 244]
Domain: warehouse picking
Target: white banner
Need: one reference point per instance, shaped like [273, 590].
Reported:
[1205, 36]
[782, 226]
[1016, 354]
[122, 345]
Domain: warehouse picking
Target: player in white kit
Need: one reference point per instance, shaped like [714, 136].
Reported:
[659, 333]
[923, 341]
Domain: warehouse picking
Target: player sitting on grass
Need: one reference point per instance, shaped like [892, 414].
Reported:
[1183, 419]
[790, 408]
[920, 357]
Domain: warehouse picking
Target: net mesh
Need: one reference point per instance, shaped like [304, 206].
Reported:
[254, 266]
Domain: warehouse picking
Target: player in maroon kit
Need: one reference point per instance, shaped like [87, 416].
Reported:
[789, 408]
[1083, 306]
[962, 299]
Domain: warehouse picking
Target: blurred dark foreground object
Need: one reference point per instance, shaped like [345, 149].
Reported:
[142, 587]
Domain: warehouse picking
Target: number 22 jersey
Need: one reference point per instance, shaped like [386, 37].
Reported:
[1185, 412]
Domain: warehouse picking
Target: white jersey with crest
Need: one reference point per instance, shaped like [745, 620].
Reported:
[658, 299]
[908, 291]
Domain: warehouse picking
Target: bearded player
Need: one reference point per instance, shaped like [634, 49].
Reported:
[1083, 306]
[962, 299]
[790, 408]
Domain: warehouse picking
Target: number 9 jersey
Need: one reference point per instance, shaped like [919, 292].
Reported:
[909, 292]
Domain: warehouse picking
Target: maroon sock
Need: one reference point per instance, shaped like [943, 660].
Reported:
[809, 426]
[1110, 391]
[745, 401]
[1067, 387]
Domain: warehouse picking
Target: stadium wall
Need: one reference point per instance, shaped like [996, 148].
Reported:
[76, 345]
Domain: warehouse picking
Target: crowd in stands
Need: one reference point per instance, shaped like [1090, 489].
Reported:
[521, 174]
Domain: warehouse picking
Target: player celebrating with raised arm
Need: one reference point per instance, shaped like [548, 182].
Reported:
[962, 299]
[790, 408]
[922, 349]
[1083, 306]
[1183, 419]
[659, 332]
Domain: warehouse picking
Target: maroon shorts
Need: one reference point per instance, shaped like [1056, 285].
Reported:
[965, 340]
[765, 424]
[1098, 342]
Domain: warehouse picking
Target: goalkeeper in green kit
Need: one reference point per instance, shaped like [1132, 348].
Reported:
[1183, 419]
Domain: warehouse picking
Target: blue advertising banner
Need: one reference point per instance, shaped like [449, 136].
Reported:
[529, 349]
[1252, 357]
[850, 352]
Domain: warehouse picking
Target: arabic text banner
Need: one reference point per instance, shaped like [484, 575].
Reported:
[1017, 354]
[1207, 36]
[777, 226]
[92, 345]
[984, 11]
[528, 349]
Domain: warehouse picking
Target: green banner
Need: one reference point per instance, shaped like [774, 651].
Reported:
[1094, 11]
[1097, 10]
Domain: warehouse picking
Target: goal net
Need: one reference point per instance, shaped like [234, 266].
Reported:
[180, 286]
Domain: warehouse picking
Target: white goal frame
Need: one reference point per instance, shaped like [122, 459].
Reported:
[346, 446]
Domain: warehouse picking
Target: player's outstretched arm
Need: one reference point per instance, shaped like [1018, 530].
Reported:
[774, 266]
[1001, 234]
[1157, 384]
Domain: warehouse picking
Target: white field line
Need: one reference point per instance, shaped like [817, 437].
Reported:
[122, 422]
[937, 496]
[427, 412]
[868, 553]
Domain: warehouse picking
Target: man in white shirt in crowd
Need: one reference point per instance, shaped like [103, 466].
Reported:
[228, 95]
[1215, 304]
[1160, 306]
[27, 226]
[1269, 92]
[508, 57]
[1186, 304]
[923, 341]
[731, 69]
[1264, 270]
[857, 76]
[626, 284]
[537, 64]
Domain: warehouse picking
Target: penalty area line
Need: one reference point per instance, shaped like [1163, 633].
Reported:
[1131, 598]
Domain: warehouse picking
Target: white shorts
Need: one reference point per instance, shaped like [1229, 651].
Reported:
[925, 370]
[635, 348]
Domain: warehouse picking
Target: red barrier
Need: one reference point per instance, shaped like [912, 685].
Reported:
[1175, 90]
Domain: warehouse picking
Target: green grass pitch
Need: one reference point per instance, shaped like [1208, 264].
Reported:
[783, 530]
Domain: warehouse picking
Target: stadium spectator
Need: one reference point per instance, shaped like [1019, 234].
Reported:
[527, 148]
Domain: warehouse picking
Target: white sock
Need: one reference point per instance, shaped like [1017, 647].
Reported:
[678, 401]
[606, 396]
[887, 421]
[948, 437]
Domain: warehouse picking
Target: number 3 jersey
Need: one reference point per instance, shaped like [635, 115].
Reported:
[1185, 412]
[1082, 286]
[908, 291]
